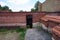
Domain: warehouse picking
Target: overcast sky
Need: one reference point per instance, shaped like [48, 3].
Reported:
[17, 5]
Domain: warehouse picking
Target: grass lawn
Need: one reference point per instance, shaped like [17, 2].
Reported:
[21, 32]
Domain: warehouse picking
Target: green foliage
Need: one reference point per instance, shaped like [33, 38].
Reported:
[36, 7]
[17, 30]
[0, 7]
[21, 11]
[5, 8]
[32, 10]
[22, 35]
[20, 30]
[10, 10]
[3, 30]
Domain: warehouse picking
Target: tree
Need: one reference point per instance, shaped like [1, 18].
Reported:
[21, 11]
[10, 10]
[35, 9]
[32, 10]
[36, 5]
[5, 8]
[0, 7]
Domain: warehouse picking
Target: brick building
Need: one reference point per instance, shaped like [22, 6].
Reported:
[51, 6]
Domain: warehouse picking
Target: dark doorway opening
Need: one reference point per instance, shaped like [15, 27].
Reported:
[29, 21]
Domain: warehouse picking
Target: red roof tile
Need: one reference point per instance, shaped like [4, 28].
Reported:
[44, 18]
[56, 30]
[54, 18]
[51, 18]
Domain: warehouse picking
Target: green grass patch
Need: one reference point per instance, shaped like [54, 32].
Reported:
[21, 31]
[22, 35]
[3, 30]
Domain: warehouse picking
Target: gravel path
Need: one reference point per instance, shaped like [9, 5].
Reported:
[34, 34]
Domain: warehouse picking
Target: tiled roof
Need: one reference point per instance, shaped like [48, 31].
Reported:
[51, 18]
[44, 18]
[56, 30]
[54, 18]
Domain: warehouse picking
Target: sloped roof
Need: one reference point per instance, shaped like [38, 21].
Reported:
[56, 30]
[51, 18]
[54, 18]
[44, 18]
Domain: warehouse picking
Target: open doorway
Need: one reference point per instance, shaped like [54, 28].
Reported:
[29, 21]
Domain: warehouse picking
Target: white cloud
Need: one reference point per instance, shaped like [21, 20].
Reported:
[17, 2]
[18, 8]
[16, 5]
[41, 1]
[2, 3]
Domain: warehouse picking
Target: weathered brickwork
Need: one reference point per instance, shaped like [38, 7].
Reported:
[51, 6]
[18, 18]
[51, 23]
[48, 19]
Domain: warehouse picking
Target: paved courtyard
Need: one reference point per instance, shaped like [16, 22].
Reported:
[34, 34]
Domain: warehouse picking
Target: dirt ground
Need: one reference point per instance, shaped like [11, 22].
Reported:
[10, 36]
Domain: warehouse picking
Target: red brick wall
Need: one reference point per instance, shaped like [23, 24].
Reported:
[12, 19]
[18, 17]
[52, 24]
